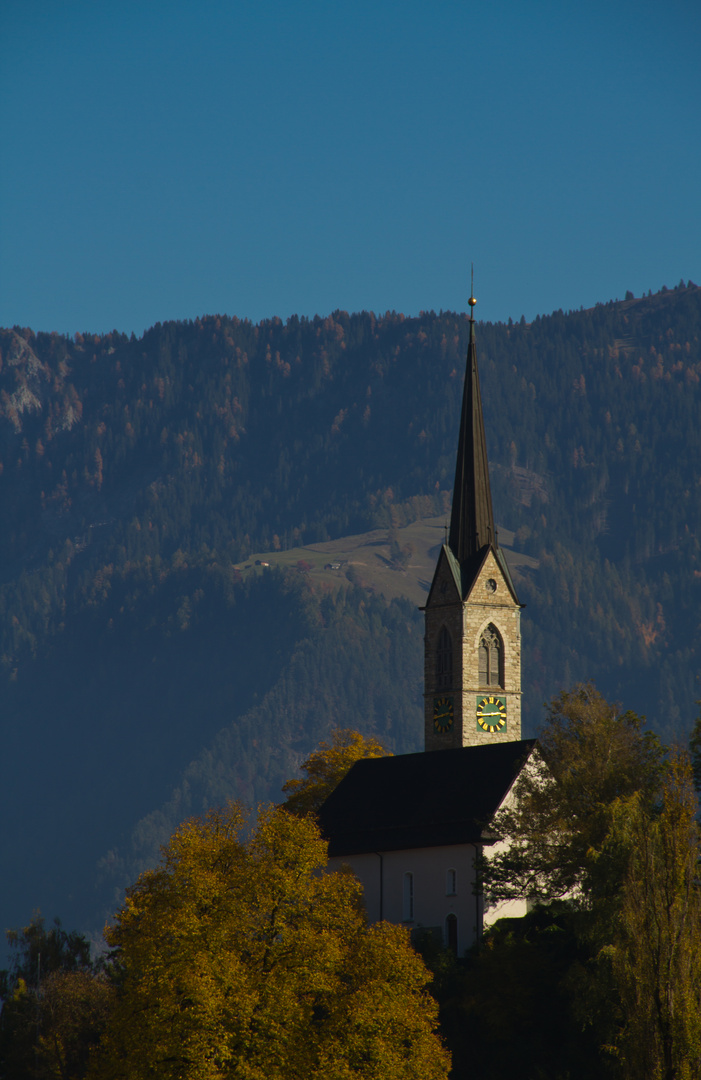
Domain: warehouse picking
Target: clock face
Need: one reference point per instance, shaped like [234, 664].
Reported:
[491, 713]
[443, 714]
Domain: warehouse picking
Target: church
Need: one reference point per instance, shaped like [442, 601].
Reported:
[410, 827]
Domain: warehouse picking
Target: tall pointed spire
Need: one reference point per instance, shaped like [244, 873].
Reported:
[472, 517]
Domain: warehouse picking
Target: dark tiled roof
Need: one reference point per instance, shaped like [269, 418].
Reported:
[421, 800]
[506, 572]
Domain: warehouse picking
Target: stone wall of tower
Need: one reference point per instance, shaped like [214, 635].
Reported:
[489, 602]
[439, 615]
[481, 608]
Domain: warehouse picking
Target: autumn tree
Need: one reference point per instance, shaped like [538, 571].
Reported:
[74, 1009]
[326, 767]
[610, 824]
[656, 949]
[55, 1004]
[695, 750]
[593, 754]
[36, 950]
[241, 956]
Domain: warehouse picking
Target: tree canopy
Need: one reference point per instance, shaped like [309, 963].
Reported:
[592, 755]
[55, 1003]
[37, 950]
[326, 767]
[655, 951]
[242, 957]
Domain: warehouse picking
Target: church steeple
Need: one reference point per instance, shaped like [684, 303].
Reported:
[472, 516]
[472, 645]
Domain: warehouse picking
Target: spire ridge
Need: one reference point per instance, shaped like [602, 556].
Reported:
[472, 517]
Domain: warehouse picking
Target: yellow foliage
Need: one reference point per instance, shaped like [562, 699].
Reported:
[244, 958]
[327, 766]
[656, 953]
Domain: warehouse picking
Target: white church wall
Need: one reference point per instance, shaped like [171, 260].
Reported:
[435, 872]
[536, 771]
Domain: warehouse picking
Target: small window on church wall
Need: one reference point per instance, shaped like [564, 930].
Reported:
[451, 883]
[491, 658]
[408, 904]
[451, 933]
[444, 660]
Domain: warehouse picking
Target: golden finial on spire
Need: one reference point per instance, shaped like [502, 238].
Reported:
[472, 300]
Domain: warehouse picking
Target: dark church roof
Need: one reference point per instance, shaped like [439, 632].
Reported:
[421, 800]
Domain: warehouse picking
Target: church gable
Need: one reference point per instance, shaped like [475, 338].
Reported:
[491, 661]
[534, 769]
[446, 586]
[492, 583]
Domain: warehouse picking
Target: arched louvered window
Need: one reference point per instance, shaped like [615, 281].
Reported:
[444, 660]
[491, 658]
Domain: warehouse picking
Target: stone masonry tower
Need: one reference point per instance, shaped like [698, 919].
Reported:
[472, 644]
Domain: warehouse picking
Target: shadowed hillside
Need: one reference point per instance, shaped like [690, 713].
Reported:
[148, 668]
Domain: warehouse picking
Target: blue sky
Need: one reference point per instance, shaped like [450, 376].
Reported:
[257, 158]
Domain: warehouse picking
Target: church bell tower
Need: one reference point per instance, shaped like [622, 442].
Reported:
[472, 643]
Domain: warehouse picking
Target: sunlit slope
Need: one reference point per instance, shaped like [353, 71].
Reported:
[392, 563]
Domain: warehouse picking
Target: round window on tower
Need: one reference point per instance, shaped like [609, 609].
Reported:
[491, 585]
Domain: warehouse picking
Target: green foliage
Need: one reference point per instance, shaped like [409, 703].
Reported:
[241, 956]
[591, 756]
[606, 982]
[325, 769]
[512, 1007]
[656, 949]
[617, 964]
[74, 1010]
[37, 951]
[54, 1004]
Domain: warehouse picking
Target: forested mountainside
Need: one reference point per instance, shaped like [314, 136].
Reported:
[142, 676]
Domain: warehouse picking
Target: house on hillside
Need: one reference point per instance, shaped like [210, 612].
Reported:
[411, 826]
